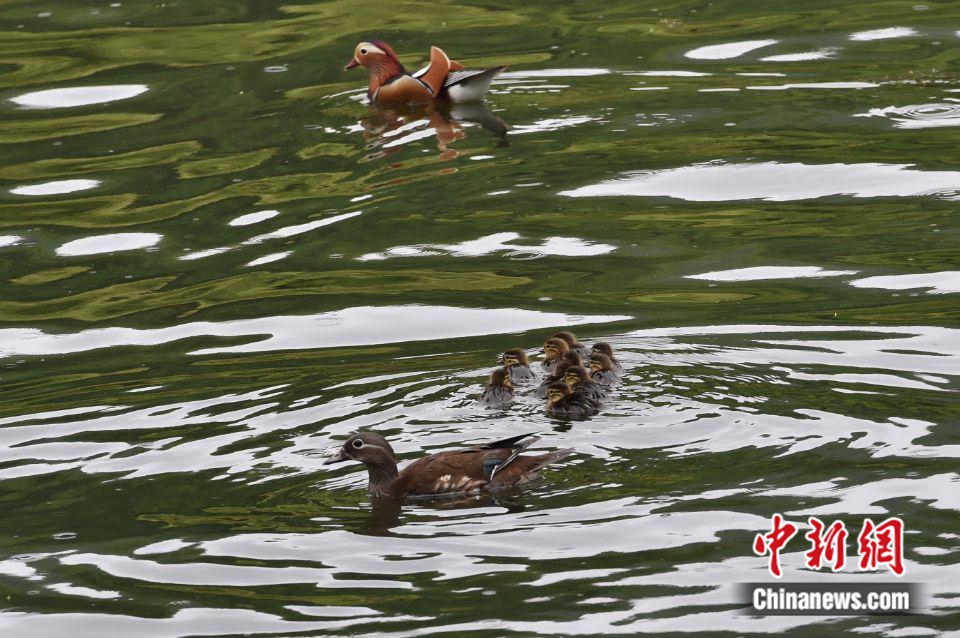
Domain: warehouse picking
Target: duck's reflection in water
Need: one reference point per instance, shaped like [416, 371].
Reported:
[387, 130]
[384, 514]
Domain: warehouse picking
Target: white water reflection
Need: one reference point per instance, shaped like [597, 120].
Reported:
[918, 116]
[554, 73]
[299, 229]
[777, 182]
[114, 242]
[364, 325]
[819, 54]
[815, 85]
[883, 34]
[212, 574]
[728, 50]
[669, 74]
[937, 283]
[759, 273]
[254, 218]
[499, 242]
[56, 188]
[79, 96]
[191, 621]
[10, 240]
[280, 233]
[552, 124]
[201, 254]
[68, 589]
[268, 259]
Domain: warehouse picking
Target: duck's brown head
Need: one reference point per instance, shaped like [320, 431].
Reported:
[557, 391]
[515, 357]
[500, 378]
[575, 375]
[599, 361]
[369, 448]
[602, 347]
[379, 58]
[567, 336]
[554, 347]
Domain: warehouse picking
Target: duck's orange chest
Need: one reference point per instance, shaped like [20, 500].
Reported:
[405, 89]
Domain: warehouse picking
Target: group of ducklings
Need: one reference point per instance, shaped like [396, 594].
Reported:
[571, 388]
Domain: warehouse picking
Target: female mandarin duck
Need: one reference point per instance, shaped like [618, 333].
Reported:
[442, 79]
[482, 468]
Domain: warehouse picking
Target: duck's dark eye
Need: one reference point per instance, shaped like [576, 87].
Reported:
[357, 444]
[363, 51]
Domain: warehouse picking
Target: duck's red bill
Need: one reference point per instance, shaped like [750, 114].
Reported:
[352, 63]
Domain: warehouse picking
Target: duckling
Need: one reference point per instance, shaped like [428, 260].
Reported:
[602, 347]
[601, 370]
[558, 372]
[499, 392]
[553, 350]
[515, 360]
[562, 402]
[573, 357]
[580, 383]
[573, 344]
[486, 467]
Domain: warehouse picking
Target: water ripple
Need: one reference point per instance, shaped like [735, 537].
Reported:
[919, 116]
[776, 182]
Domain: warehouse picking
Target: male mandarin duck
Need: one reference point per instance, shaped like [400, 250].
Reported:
[602, 347]
[581, 384]
[553, 350]
[573, 344]
[601, 370]
[516, 361]
[499, 392]
[482, 468]
[564, 402]
[442, 79]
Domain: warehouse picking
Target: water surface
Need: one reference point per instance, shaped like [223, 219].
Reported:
[218, 262]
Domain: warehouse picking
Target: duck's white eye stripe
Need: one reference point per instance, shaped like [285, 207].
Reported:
[358, 443]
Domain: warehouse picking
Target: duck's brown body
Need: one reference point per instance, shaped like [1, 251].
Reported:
[485, 467]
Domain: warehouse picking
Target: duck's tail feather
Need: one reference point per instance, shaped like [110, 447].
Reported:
[505, 443]
[551, 457]
[470, 86]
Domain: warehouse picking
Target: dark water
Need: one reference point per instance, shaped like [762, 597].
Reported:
[217, 262]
